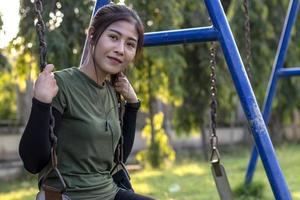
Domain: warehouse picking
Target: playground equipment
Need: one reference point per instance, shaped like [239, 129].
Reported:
[221, 32]
[278, 71]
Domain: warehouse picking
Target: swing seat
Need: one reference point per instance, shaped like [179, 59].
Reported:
[221, 181]
[51, 193]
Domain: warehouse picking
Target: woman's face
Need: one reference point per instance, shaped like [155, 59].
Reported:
[116, 47]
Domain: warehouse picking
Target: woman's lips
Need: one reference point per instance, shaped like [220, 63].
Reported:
[115, 60]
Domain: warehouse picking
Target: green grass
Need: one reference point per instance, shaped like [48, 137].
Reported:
[190, 179]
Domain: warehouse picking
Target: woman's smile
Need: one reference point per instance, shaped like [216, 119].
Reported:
[114, 60]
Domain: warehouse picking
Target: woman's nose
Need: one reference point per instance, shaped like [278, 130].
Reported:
[120, 48]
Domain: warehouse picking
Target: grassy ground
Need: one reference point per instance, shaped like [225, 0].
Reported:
[190, 179]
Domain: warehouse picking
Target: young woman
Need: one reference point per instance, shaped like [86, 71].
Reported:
[85, 110]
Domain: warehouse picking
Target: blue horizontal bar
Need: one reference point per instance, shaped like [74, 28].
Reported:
[200, 34]
[292, 71]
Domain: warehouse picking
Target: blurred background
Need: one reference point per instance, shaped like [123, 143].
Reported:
[170, 155]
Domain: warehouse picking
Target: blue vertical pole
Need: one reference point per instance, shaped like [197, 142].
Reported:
[248, 101]
[277, 66]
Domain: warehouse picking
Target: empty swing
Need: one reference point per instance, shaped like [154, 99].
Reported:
[218, 170]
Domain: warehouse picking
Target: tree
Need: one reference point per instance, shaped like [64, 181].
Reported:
[7, 107]
[2, 58]
[178, 75]
[158, 69]
[267, 20]
[66, 23]
[265, 33]
[195, 79]
[1, 22]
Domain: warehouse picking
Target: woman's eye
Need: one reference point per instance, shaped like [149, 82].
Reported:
[131, 44]
[113, 37]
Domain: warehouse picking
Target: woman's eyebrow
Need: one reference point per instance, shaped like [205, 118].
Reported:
[119, 33]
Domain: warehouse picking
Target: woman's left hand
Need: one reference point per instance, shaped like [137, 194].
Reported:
[123, 86]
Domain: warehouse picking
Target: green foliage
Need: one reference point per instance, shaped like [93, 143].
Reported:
[266, 27]
[4, 65]
[250, 192]
[7, 95]
[195, 79]
[66, 22]
[289, 88]
[176, 75]
[3, 60]
[24, 65]
[158, 152]
[159, 68]
[263, 46]
[1, 22]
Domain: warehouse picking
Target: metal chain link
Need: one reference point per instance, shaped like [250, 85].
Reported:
[247, 37]
[40, 29]
[215, 156]
[217, 168]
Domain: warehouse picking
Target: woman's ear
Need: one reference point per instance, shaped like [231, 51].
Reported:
[91, 32]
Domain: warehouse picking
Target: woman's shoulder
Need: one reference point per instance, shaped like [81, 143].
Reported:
[65, 77]
[66, 72]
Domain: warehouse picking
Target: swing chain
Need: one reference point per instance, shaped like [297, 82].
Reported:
[215, 156]
[40, 29]
[247, 37]
[217, 168]
[119, 152]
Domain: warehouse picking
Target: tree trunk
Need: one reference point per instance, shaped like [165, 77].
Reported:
[24, 102]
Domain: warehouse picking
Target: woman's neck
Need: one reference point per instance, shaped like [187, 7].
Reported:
[92, 71]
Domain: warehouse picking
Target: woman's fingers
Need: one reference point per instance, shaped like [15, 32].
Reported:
[49, 68]
[123, 86]
[45, 88]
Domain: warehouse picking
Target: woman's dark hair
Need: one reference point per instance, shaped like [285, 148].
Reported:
[111, 13]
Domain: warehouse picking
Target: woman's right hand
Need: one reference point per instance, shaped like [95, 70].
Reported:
[45, 87]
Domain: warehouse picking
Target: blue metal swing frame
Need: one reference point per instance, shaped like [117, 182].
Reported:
[220, 31]
[278, 71]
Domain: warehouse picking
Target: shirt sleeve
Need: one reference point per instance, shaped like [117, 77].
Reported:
[60, 101]
[35, 144]
[129, 126]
